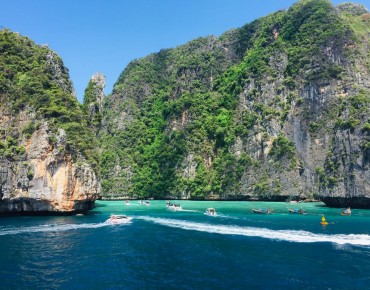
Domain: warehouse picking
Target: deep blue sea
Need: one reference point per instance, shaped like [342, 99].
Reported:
[164, 249]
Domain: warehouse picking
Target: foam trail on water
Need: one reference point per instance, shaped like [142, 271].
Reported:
[50, 228]
[226, 216]
[281, 235]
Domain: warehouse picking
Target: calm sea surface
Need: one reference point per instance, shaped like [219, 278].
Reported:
[163, 249]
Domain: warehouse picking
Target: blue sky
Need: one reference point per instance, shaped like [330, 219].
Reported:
[105, 35]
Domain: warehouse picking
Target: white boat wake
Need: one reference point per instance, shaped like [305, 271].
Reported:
[51, 228]
[280, 235]
[228, 217]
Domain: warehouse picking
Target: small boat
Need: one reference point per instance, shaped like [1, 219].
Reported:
[297, 211]
[174, 206]
[346, 211]
[147, 203]
[127, 202]
[323, 221]
[118, 219]
[262, 211]
[211, 211]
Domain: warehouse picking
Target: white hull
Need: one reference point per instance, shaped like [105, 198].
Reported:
[116, 220]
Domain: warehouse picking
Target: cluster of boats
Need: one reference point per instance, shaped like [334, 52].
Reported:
[143, 202]
[346, 211]
[177, 207]
[121, 219]
[269, 211]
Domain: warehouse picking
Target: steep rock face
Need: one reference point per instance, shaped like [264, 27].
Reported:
[58, 71]
[42, 171]
[93, 100]
[168, 76]
[276, 109]
[344, 180]
[44, 178]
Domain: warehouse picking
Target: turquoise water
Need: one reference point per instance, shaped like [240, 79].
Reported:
[163, 249]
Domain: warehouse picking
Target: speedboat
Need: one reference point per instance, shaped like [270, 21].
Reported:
[346, 211]
[211, 211]
[262, 211]
[174, 206]
[147, 203]
[119, 219]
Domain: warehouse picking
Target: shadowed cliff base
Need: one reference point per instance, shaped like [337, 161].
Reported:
[32, 207]
[360, 202]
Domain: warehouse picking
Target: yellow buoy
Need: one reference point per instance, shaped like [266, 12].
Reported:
[323, 220]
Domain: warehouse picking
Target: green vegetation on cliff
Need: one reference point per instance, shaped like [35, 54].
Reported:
[34, 78]
[275, 109]
[212, 118]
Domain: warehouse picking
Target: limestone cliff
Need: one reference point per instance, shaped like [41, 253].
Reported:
[276, 109]
[42, 169]
[273, 110]
[93, 100]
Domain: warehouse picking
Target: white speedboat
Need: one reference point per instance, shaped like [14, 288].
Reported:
[211, 211]
[174, 206]
[119, 219]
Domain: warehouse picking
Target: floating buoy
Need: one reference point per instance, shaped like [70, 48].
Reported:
[323, 221]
